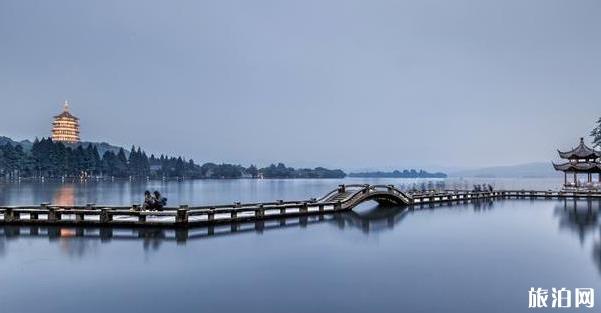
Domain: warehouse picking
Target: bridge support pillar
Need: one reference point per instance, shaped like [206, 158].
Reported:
[53, 216]
[10, 215]
[105, 216]
[304, 209]
[338, 206]
[79, 217]
[181, 216]
[260, 212]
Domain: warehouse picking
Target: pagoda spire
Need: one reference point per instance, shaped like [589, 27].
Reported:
[66, 106]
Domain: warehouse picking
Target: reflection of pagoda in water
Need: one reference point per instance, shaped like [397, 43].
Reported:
[597, 255]
[64, 195]
[581, 217]
[580, 160]
[65, 127]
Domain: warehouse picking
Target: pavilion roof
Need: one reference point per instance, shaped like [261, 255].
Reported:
[584, 167]
[582, 151]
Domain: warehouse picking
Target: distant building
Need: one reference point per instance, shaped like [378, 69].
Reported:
[65, 127]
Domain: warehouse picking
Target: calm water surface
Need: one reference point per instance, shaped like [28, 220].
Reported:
[477, 257]
[197, 192]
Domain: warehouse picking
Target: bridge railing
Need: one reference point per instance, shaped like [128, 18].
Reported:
[92, 214]
[364, 191]
[238, 211]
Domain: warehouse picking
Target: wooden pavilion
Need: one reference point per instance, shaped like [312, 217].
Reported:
[580, 160]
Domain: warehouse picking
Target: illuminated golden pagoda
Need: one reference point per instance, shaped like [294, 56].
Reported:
[65, 127]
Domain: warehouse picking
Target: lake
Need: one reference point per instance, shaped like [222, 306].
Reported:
[471, 257]
[199, 192]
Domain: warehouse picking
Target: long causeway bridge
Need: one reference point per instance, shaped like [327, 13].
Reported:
[343, 198]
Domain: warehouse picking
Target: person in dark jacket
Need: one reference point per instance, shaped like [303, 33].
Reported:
[159, 202]
[148, 201]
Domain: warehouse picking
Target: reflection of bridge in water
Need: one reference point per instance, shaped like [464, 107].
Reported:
[579, 216]
[372, 220]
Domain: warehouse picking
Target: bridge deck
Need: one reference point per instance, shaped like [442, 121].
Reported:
[344, 198]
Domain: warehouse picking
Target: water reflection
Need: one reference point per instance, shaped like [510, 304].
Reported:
[582, 218]
[597, 255]
[78, 241]
[65, 195]
[206, 192]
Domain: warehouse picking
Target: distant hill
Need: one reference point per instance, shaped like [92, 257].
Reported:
[528, 170]
[26, 144]
[101, 146]
[400, 174]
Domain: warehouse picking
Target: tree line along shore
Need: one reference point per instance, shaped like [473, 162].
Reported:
[47, 159]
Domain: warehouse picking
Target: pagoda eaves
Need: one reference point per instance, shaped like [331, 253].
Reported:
[582, 151]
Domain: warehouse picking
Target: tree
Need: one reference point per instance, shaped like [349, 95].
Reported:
[109, 160]
[596, 134]
[253, 171]
[121, 168]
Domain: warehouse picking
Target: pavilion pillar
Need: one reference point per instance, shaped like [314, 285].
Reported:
[565, 178]
[575, 179]
[600, 177]
[590, 177]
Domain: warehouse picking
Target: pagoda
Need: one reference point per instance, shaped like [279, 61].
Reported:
[65, 127]
[580, 160]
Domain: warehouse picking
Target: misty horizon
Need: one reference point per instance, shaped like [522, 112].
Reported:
[342, 84]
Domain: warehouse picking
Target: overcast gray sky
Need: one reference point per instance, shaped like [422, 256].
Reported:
[354, 84]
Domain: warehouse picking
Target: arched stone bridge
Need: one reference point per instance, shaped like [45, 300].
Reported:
[349, 196]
